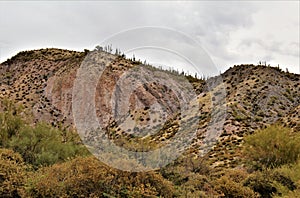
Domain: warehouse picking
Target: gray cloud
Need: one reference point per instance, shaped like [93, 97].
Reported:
[273, 47]
[222, 28]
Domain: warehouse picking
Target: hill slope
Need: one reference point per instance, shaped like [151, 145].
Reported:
[256, 96]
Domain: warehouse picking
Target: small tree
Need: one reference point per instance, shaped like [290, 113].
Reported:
[99, 48]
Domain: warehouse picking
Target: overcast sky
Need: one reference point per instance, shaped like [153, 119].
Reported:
[230, 32]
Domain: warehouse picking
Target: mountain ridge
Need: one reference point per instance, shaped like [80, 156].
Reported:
[256, 96]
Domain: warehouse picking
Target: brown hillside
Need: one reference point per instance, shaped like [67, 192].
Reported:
[256, 96]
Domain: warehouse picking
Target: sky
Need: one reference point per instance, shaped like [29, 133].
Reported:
[183, 35]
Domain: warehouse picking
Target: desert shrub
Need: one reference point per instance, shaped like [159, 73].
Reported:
[284, 180]
[196, 186]
[87, 177]
[272, 147]
[39, 144]
[262, 183]
[265, 183]
[236, 175]
[272, 182]
[291, 171]
[12, 174]
[42, 145]
[228, 188]
[10, 121]
[178, 171]
[190, 175]
[288, 176]
[177, 174]
[190, 192]
[290, 194]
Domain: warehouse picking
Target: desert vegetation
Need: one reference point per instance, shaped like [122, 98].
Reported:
[44, 161]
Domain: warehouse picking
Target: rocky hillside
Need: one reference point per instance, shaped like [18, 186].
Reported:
[37, 80]
[256, 96]
[292, 119]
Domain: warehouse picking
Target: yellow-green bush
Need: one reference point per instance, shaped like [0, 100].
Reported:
[228, 188]
[292, 171]
[85, 177]
[12, 174]
[289, 177]
[272, 147]
[262, 183]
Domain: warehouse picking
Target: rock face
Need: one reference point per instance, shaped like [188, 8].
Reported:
[255, 96]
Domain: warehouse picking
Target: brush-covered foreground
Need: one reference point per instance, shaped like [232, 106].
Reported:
[42, 161]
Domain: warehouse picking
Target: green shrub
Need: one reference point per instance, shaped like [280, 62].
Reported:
[272, 147]
[42, 145]
[10, 121]
[39, 144]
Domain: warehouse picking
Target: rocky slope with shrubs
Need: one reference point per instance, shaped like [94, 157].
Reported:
[256, 96]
